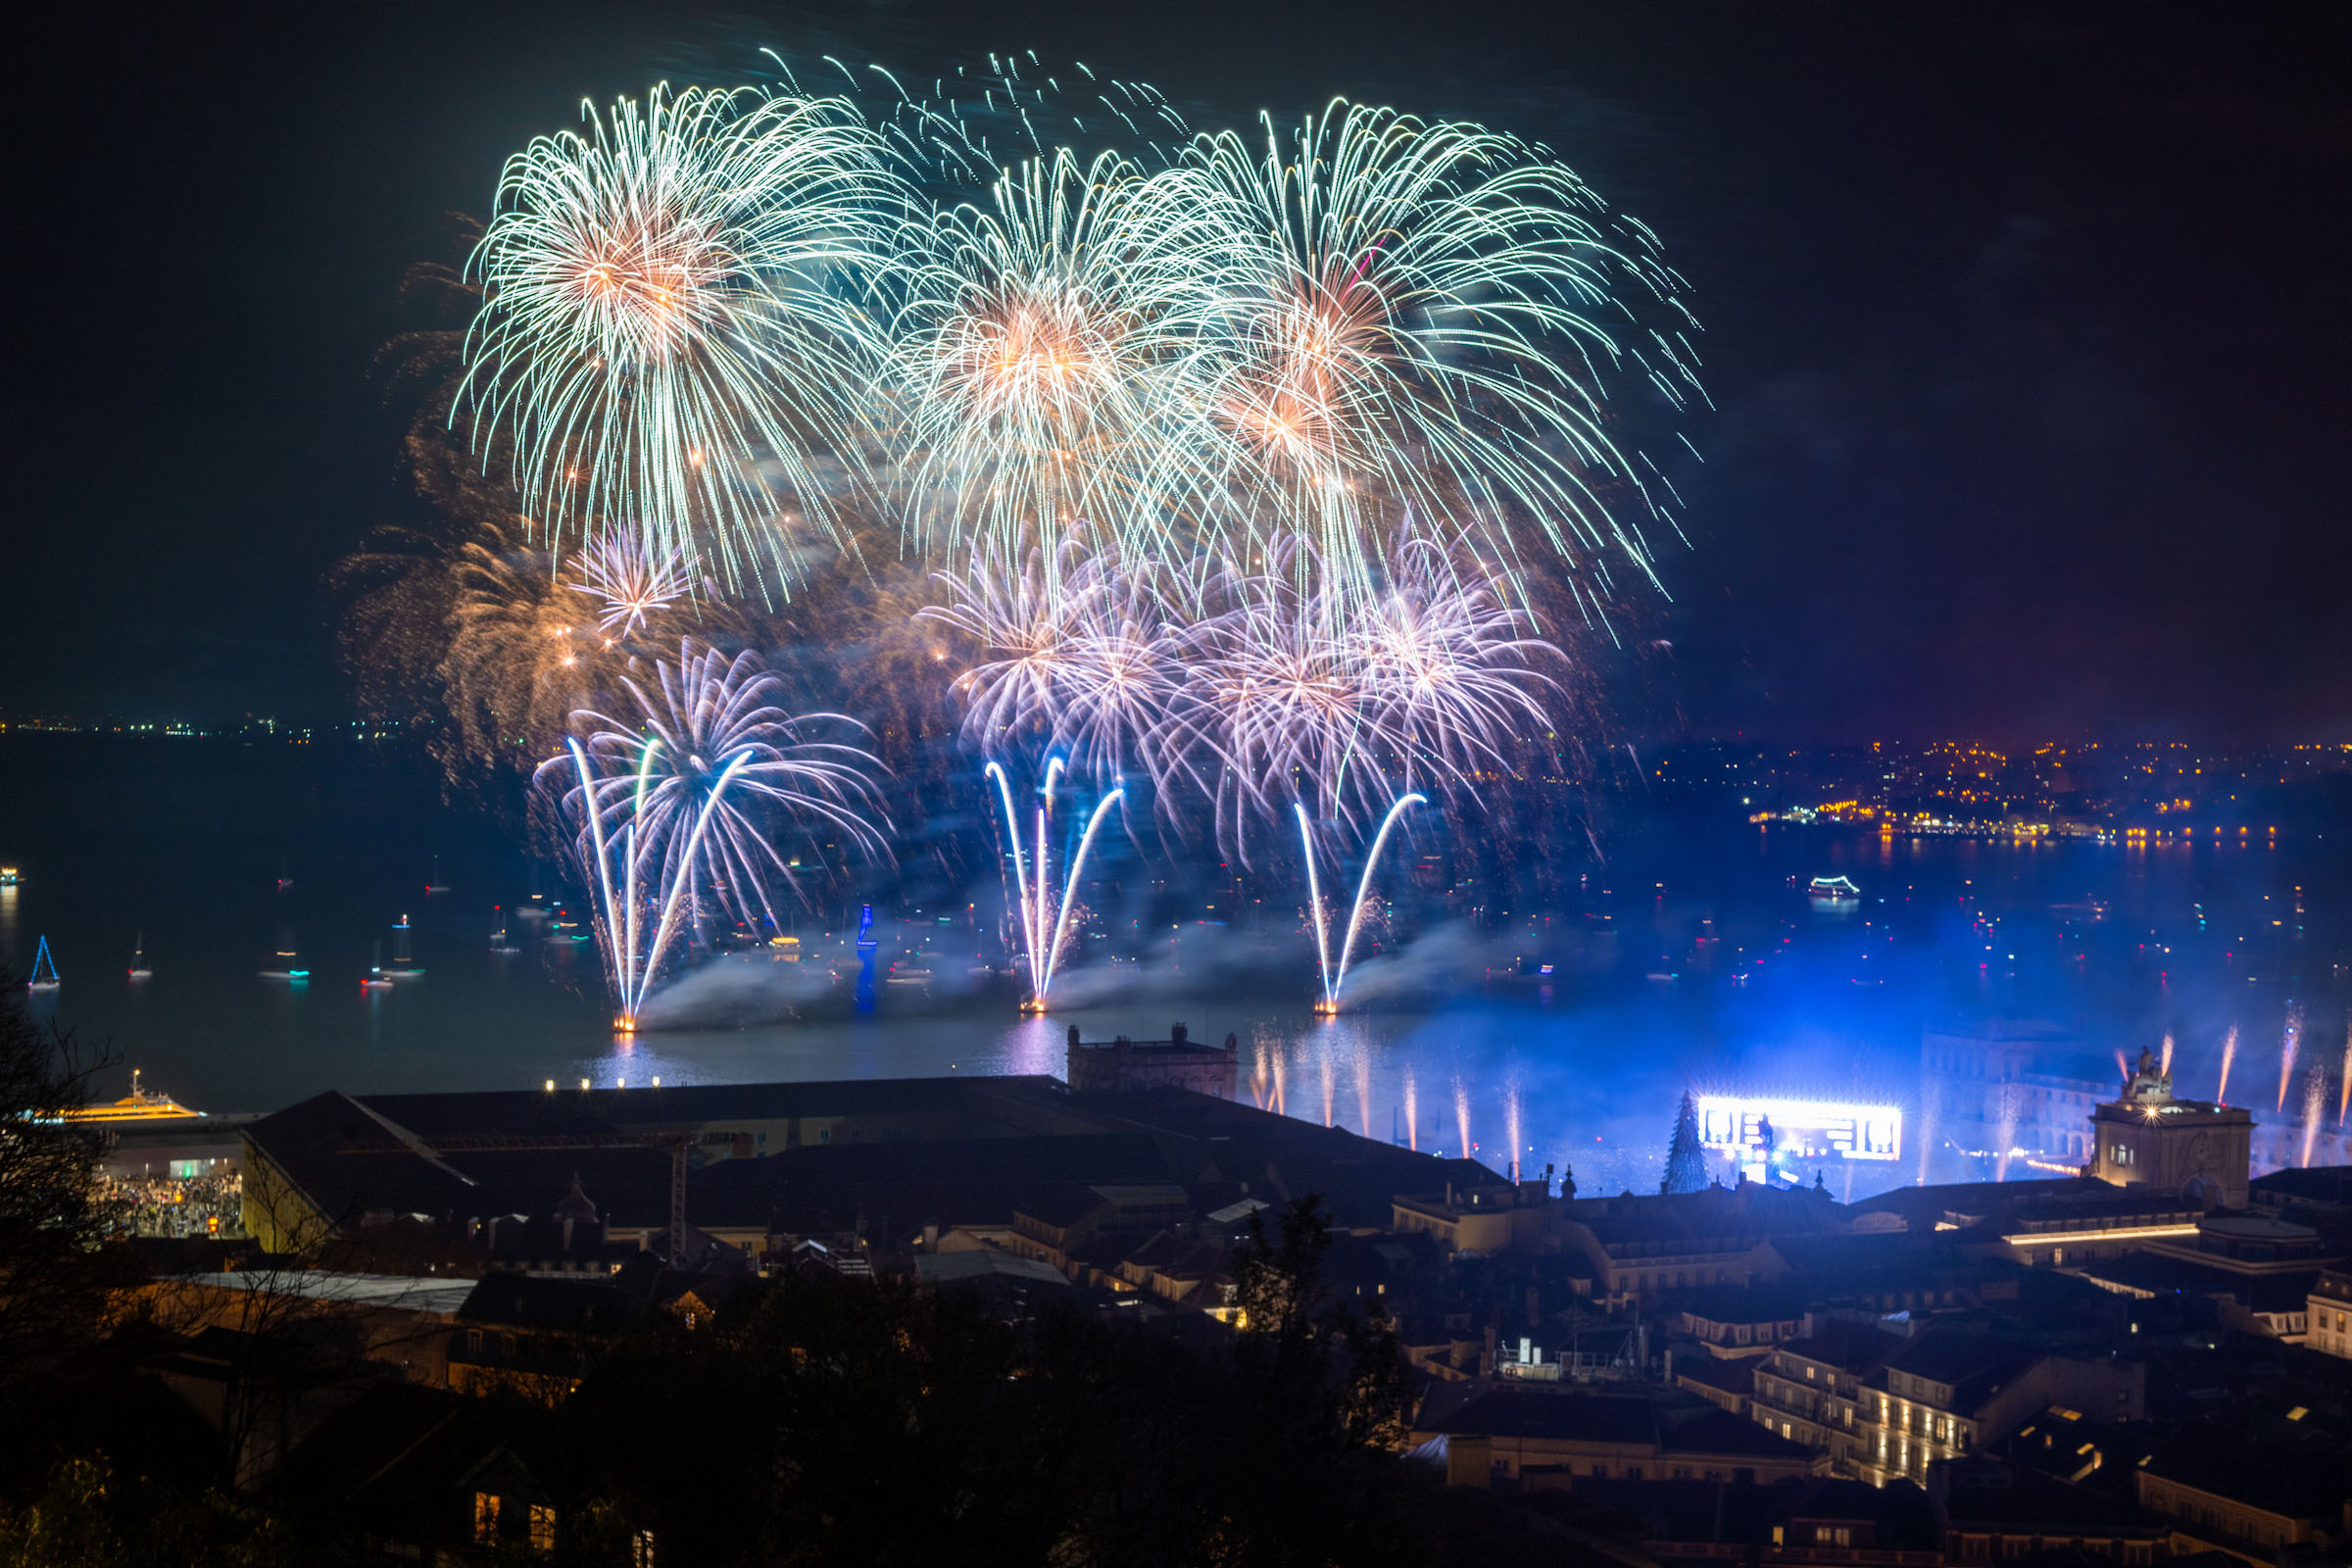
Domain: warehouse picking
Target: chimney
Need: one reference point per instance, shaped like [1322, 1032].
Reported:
[1073, 1037]
[1176, 1034]
[1470, 1461]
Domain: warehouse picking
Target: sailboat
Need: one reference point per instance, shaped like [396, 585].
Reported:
[500, 940]
[375, 976]
[436, 885]
[45, 970]
[283, 880]
[139, 957]
[404, 962]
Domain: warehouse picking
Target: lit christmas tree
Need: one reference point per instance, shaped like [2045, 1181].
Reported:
[1686, 1161]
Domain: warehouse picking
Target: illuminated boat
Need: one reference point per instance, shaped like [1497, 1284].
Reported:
[404, 962]
[500, 940]
[45, 970]
[1834, 890]
[285, 960]
[140, 1104]
[139, 957]
[8, 876]
[375, 978]
[436, 885]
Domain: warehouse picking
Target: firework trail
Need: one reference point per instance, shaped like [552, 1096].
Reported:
[1461, 1117]
[2343, 1096]
[1413, 1114]
[2123, 1067]
[2166, 1067]
[671, 328]
[2315, 1102]
[1363, 1062]
[1333, 979]
[2006, 1131]
[1045, 920]
[1323, 1062]
[1510, 1113]
[2221, 1092]
[676, 807]
[1281, 1096]
[2287, 1051]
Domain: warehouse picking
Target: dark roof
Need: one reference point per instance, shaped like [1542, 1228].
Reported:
[1715, 1429]
[1848, 1347]
[2312, 1184]
[1570, 1417]
[1984, 1493]
[1921, 1207]
[954, 1151]
[1008, 1102]
[1729, 1377]
[1687, 1513]
[2163, 1274]
[2295, 1476]
[1673, 1423]
[400, 1459]
[597, 1307]
[1965, 1362]
[1778, 1301]
[1725, 1218]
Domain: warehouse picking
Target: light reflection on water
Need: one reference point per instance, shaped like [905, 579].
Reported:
[1594, 1062]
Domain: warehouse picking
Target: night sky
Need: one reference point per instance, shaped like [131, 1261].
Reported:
[2028, 327]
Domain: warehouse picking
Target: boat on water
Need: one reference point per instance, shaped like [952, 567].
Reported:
[140, 1104]
[1833, 889]
[500, 940]
[44, 969]
[283, 880]
[536, 910]
[8, 876]
[436, 885]
[139, 957]
[404, 962]
[285, 960]
[564, 928]
[375, 979]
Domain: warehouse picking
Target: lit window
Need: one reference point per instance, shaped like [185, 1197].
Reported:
[640, 1550]
[543, 1527]
[485, 1517]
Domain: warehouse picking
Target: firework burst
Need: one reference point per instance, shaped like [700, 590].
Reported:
[632, 578]
[1035, 353]
[671, 328]
[1417, 323]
